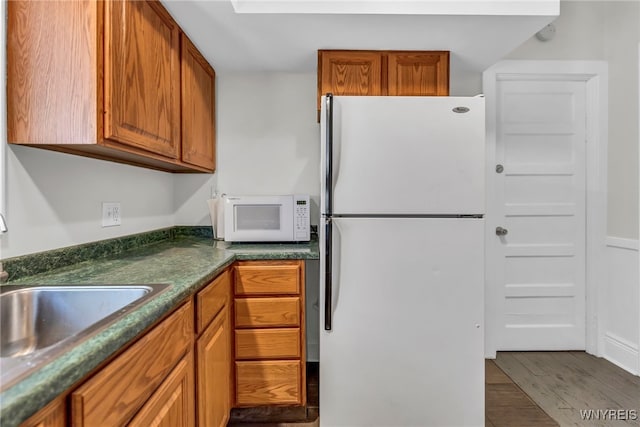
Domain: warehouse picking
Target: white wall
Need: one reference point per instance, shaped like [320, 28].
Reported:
[608, 31]
[268, 142]
[622, 316]
[55, 200]
[579, 34]
[622, 35]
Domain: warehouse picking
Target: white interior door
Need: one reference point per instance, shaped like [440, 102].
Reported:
[538, 266]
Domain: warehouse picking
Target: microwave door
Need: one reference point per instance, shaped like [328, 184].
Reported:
[258, 217]
[254, 220]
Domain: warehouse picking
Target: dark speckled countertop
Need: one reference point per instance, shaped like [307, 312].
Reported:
[188, 262]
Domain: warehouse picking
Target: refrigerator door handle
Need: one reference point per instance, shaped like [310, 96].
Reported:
[328, 285]
[327, 211]
[328, 177]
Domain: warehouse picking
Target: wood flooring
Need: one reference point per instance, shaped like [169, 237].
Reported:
[565, 383]
[507, 405]
[528, 389]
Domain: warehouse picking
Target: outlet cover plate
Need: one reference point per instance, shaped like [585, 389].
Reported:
[111, 214]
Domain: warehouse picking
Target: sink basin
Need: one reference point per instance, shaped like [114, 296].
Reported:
[39, 322]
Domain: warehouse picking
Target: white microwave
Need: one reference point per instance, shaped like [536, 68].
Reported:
[267, 218]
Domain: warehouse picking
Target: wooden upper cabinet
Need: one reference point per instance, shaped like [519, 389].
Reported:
[350, 72]
[103, 79]
[52, 75]
[142, 76]
[418, 73]
[198, 108]
[376, 72]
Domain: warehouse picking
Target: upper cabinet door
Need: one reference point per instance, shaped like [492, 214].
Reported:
[382, 72]
[349, 73]
[142, 76]
[418, 73]
[198, 108]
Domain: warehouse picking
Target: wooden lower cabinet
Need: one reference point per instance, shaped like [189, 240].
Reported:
[213, 349]
[197, 363]
[172, 405]
[269, 333]
[114, 395]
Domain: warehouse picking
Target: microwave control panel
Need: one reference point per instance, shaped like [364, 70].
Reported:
[301, 227]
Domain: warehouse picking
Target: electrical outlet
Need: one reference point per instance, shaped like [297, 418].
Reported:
[111, 214]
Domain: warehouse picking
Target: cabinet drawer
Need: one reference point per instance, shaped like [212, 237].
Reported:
[266, 312]
[118, 391]
[212, 299]
[268, 278]
[272, 382]
[268, 343]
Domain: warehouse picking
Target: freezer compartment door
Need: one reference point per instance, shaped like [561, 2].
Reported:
[406, 343]
[406, 155]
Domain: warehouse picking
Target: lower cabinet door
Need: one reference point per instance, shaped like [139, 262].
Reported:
[268, 383]
[173, 404]
[53, 415]
[214, 372]
[118, 391]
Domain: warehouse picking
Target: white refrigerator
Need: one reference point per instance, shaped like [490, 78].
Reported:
[402, 261]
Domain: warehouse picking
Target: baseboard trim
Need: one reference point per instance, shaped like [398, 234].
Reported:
[622, 243]
[622, 353]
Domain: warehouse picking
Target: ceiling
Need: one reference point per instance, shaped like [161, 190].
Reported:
[287, 42]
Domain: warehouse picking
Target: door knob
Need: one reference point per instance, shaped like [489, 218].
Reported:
[501, 231]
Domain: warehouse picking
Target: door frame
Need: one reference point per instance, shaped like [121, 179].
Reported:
[595, 76]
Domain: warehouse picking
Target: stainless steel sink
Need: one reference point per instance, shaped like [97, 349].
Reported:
[40, 322]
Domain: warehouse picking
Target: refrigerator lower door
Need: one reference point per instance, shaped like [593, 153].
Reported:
[406, 344]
